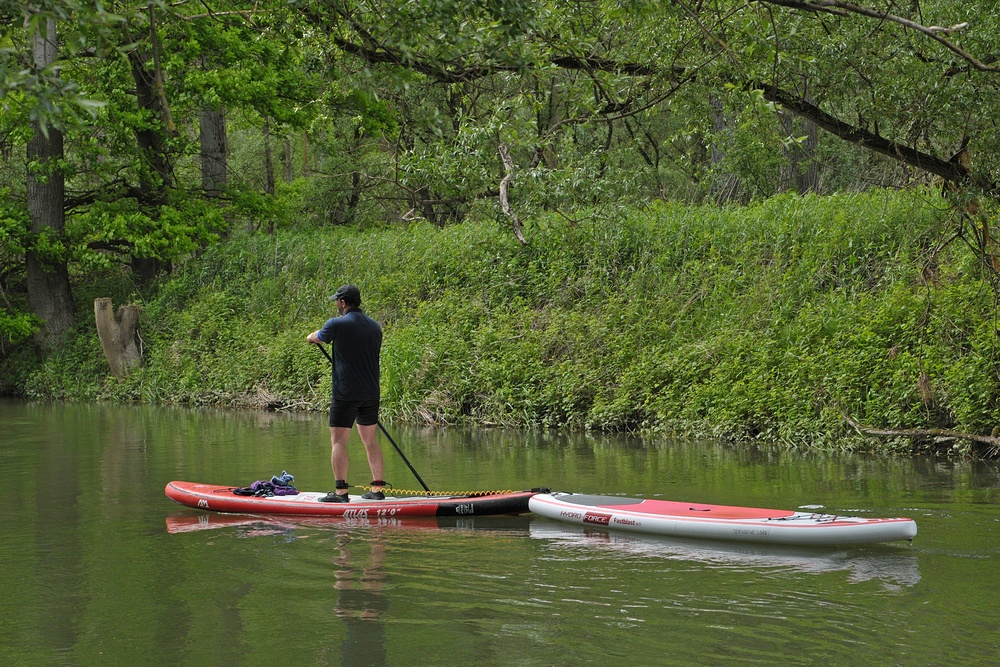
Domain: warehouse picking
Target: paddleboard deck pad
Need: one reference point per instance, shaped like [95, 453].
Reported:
[719, 522]
[222, 499]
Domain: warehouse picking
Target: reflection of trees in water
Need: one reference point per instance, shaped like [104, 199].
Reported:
[360, 599]
[358, 575]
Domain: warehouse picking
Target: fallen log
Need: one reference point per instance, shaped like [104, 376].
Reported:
[992, 442]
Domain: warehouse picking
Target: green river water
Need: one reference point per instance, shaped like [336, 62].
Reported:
[99, 568]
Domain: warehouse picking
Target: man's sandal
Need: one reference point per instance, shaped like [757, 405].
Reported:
[377, 495]
[334, 497]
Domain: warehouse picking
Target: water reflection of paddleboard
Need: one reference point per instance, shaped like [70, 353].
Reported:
[223, 499]
[889, 565]
[189, 522]
[719, 522]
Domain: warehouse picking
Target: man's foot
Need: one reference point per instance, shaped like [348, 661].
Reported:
[334, 497]
[376, 490]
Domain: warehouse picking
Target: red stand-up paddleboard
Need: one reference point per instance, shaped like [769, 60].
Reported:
[719, 522]
[222, 499]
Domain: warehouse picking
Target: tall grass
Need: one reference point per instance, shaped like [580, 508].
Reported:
[770, 321]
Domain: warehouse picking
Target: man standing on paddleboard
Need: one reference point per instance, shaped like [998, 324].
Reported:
[357, 343]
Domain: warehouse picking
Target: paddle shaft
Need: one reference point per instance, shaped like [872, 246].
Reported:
[398, 450]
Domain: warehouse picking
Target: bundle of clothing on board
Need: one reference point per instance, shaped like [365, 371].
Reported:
[278, 485]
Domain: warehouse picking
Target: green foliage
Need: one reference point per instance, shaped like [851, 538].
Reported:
[14, 225]
[74, 371]
[174, 231]
[15, 327]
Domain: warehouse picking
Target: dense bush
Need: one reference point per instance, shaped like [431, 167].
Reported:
[770, 321]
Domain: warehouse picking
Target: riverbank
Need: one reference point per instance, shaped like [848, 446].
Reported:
[773, 322]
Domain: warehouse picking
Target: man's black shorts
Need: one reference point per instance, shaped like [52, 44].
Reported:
[343, 414]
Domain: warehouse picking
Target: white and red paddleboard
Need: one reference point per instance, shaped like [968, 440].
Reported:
[222, 499]
[719, 522]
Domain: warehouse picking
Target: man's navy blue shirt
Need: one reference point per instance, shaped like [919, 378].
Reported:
[357, 341]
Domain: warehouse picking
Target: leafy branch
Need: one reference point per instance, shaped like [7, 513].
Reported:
[844, 9]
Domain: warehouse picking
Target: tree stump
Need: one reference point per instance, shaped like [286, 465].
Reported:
[119, 336]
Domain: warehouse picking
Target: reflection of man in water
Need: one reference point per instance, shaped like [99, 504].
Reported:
[361, 601]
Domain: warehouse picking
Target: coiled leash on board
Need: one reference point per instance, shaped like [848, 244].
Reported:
[463, 494]
[436, 494]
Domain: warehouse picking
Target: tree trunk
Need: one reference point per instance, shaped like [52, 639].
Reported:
[119, 336]
[214, 151]
[508, 165]
[268, 161]
[548, 119]
[726, 187]
[152, 139]
[289, 174]
[305, 155]
[801, 171]
[49, 295]
[153, 147]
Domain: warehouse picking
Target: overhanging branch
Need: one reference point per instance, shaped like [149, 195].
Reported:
[950, 171]
[841, 8]
[376, 54]
[370, 49]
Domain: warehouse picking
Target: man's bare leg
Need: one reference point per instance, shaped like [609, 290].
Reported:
[369, 437]
[338, 453]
